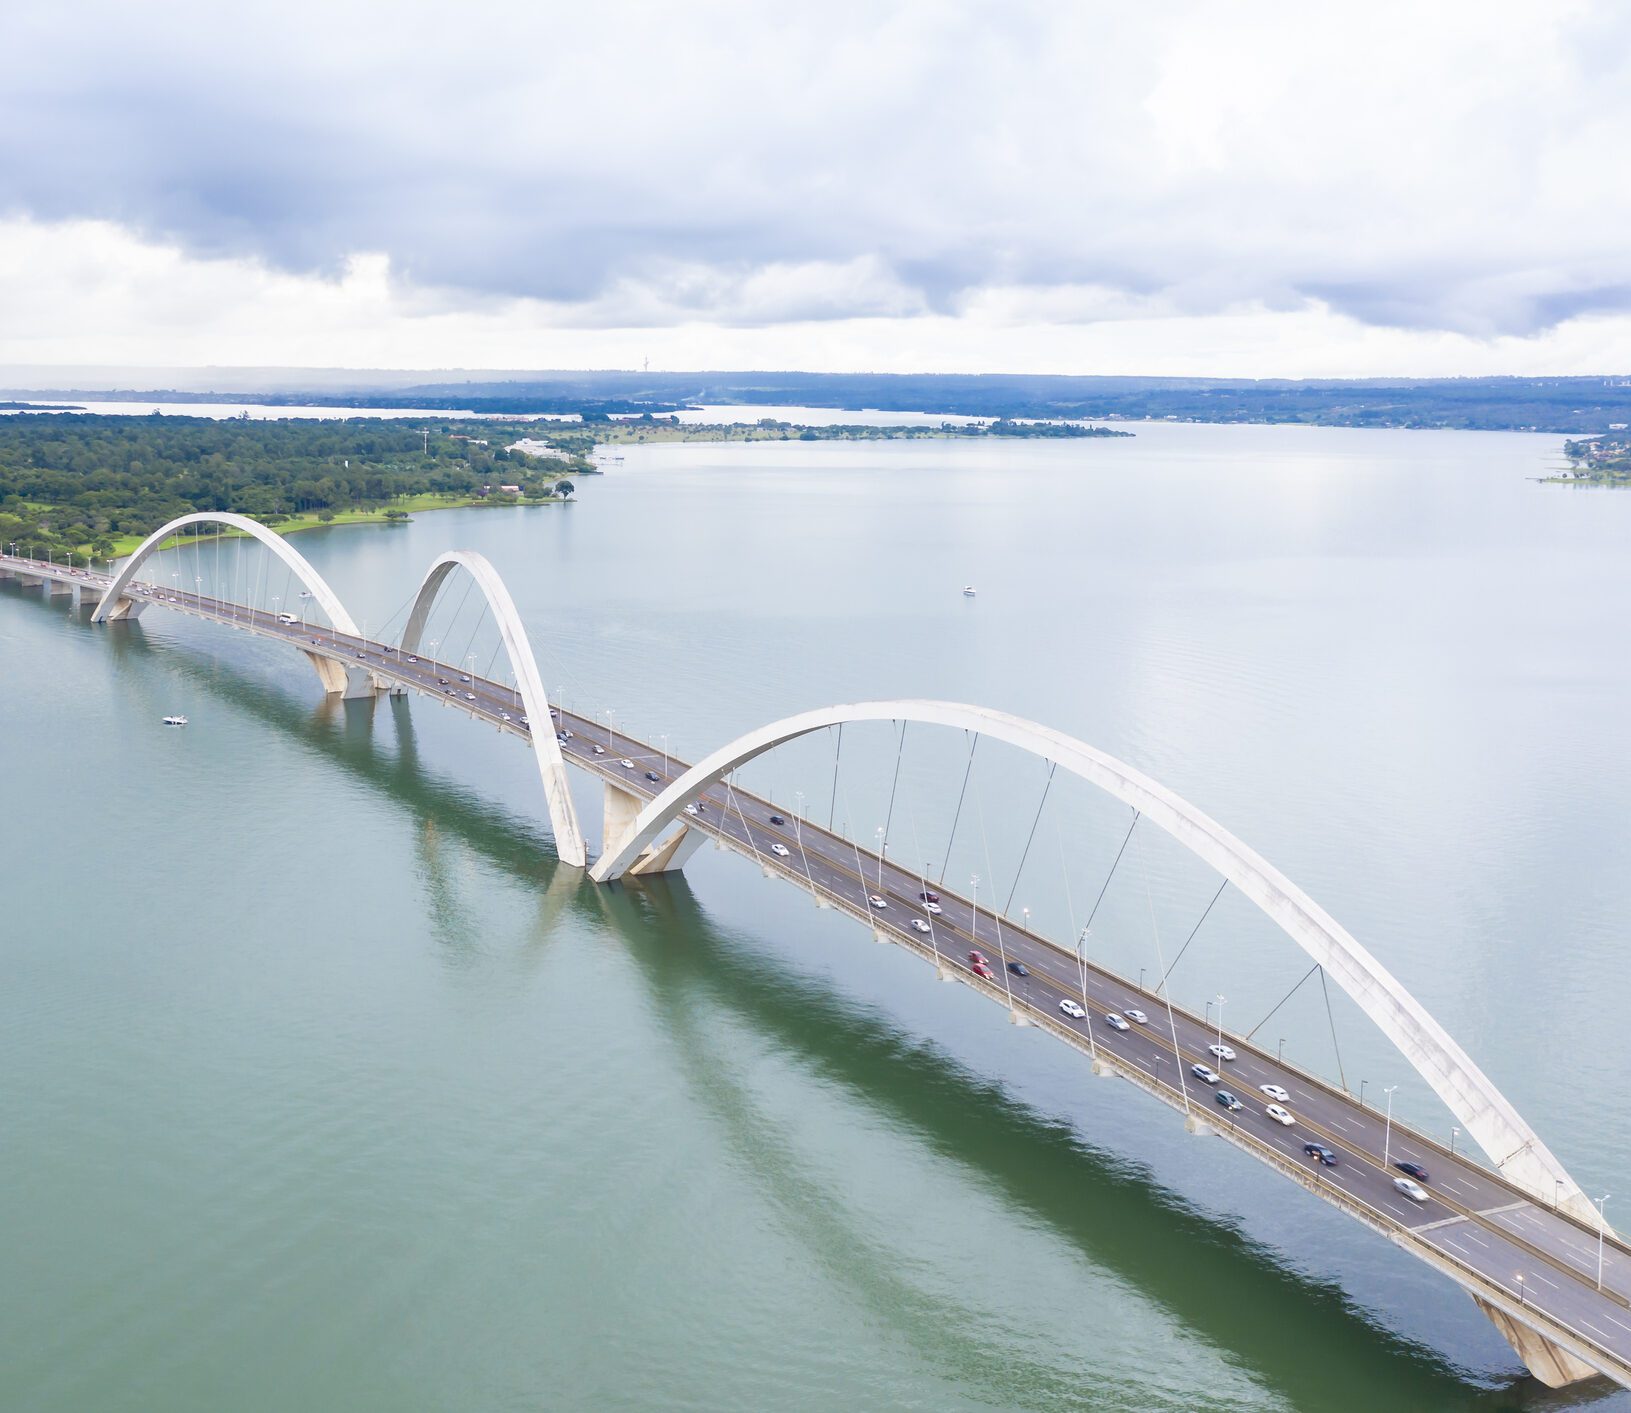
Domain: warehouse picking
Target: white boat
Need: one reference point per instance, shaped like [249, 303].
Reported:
[175, 721]
[968, 591]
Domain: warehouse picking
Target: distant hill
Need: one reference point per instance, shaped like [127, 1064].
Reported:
[1567, 405]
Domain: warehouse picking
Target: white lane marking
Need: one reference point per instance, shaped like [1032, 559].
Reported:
[1620, 1323]
[1451, 1182]
[1554, 1285]
[1601, 1334]
[1480, 1240]
[1337, 1123]
[1446, 1241]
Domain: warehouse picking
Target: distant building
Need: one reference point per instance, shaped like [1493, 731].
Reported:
[510, 490]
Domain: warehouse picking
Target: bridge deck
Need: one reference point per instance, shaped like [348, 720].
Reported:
[1475, 1225]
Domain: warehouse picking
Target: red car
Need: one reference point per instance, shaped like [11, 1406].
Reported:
[981, 969]
[978, 958]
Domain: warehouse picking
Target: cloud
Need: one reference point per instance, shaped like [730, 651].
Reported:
[1444, 169]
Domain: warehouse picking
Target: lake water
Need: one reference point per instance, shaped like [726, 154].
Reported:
[324, 1087]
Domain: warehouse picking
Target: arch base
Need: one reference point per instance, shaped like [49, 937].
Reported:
[1554, 1367]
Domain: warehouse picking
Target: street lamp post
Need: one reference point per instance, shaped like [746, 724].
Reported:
[1362, 1084]
[1087, 1013]
[664, 739]
[883, 848]
[1387, 1131]
[1220, 1021]
[1141, 971]
[1519, 1279]
[1454, 1133]
[1280, 1054]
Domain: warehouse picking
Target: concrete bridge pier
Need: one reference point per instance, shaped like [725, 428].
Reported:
[338, 680]
[58, 588]
[620, 810]
[124, 609]
[670, 855]
[1554, 1367]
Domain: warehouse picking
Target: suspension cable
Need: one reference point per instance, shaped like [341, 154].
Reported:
[1168, 972]
[1172, 1024]
[946, 862]
[1329, 1016]
[1266, 1019]
[1119, 852]
[838, 750]
[889, 815]
[1026, 853]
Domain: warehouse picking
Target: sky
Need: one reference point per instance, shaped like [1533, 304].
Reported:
[1181, 187]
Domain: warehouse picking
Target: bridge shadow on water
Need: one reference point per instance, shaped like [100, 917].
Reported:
[1294, 1335]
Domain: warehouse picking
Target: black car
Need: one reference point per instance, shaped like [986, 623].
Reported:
[652, 775]
[441, 681]
[1414, 1170]
[1018, 968]
[777, 819]
[1320, 1151]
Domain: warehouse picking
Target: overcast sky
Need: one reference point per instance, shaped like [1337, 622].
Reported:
[1206, 188]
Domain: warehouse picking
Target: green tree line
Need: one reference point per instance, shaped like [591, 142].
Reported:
[77, 482]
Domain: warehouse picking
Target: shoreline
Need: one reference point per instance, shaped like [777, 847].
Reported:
[127, 544]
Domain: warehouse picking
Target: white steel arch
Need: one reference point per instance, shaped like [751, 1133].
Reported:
[563, 817]
[325, 596]
[1484, 1112]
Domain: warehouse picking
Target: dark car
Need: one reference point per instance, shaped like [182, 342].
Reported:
[442, 681]
[1228, 1100]
[1414, 1170]
[1320, 1151]
[652, 775]
[929, 896]
[777, 819]
[1018, 968]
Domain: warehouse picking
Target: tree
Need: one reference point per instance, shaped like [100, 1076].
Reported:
[565, 489]
[325, 516]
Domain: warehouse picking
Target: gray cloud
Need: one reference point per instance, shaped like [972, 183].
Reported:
[747, 164]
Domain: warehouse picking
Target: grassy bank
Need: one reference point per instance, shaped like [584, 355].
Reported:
[312, 520]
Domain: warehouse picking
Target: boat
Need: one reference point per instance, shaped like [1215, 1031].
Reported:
[968, 591]
[175, 721]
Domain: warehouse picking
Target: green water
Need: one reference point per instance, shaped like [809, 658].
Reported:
[324, 1088]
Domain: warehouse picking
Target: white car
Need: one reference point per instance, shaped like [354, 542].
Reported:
[1072, 1009]
[1275, 1092]
[469, 696]
[626, 763]
[1116, 1022]
[1137, 1017]
[933, 909]
[690, 809]
[1205, 1073]
[503, 716]
[1411, 1189]
[1223, 1052]
[878, 902]
[920, 925]
[781, 851]
[600, 750]
[1279, 1115]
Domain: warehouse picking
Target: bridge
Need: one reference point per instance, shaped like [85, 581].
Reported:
[1516, 1232]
